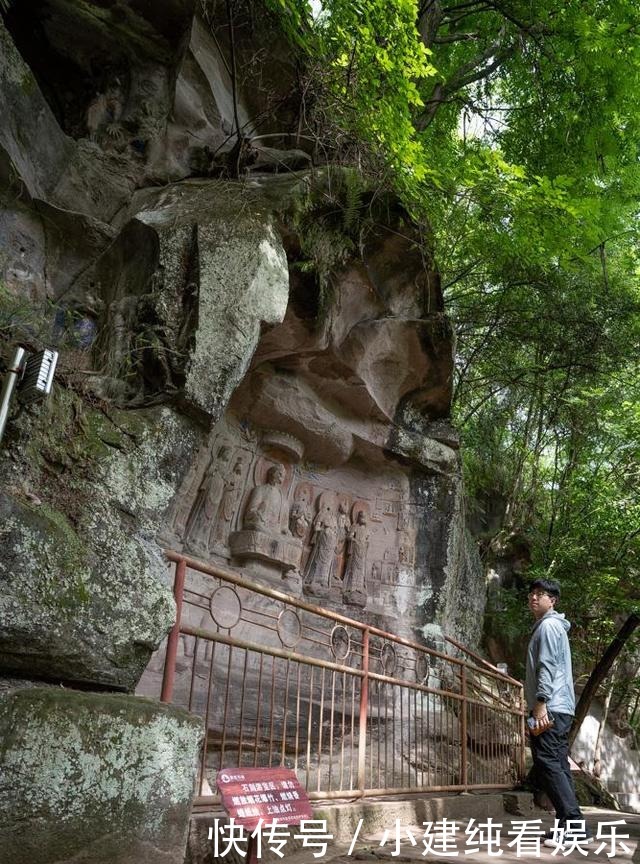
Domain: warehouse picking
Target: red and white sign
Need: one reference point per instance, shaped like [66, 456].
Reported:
[268, 794]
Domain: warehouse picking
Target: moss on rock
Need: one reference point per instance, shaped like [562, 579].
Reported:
[94, 777]
[84, 586]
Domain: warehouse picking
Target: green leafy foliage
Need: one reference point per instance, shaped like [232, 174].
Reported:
[511, 131]
[520, 119]
[329, 222]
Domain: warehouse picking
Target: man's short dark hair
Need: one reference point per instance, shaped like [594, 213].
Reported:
[548, 585]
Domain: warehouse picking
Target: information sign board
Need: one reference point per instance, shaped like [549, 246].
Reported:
[268, 794]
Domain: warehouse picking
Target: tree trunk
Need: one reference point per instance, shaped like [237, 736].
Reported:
[601, 670]
[597, 750]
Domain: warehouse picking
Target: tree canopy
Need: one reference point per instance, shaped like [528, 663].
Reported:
[510, 130]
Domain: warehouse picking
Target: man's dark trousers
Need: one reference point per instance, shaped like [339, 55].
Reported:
[550, 752]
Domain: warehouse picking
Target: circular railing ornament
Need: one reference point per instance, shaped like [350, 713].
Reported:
[225, 607]
[340, 642]
[289, 628]
[423, 668]
[388, 659]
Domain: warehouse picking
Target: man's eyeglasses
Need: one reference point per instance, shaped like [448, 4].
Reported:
[538, 594]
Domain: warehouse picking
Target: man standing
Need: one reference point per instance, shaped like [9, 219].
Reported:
[549, 694]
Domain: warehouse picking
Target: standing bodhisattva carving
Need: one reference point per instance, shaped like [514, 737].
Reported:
[300, 515]
[344, 527]
[355, 592]
[227, 508]
[205, 507]
[323, 543]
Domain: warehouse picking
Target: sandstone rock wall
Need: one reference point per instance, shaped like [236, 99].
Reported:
[225, 385]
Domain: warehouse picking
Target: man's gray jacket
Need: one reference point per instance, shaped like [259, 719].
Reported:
[549, 674]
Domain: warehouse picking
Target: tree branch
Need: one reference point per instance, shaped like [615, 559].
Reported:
[461, 37]
[600, 671]
[234, 76]
[533, 29]
[429, 21]
[467, 74]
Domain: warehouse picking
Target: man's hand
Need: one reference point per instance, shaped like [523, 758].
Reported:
[541, 717]
[539, 710]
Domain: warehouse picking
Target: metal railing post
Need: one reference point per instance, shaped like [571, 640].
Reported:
[364, 709]
[523, 736]
[174, 635]
[464, 768]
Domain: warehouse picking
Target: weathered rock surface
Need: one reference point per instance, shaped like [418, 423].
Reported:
[198, 295]
[282, 404]
[77, 176]
[39, 150]
[83, 594]
[90, 778]
[342, 406]
[461, 601]
[238, 267]
[244, 282]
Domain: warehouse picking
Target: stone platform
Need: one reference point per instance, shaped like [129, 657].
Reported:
[380, 821]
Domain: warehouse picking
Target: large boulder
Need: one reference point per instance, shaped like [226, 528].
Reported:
[244, 283]
[76, 176]
[83, 586]
[95, 778]
[214, 269]
[29, 135]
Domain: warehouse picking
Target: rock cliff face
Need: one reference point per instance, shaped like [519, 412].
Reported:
[241, 375]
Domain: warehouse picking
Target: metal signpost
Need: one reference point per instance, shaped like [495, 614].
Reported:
[32, 374]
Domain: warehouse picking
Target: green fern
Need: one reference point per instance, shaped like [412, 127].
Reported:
[352, 205]
[329, 221]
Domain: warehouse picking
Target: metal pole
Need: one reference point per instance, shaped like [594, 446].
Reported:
[464, 768]
[364, 706]
[252, 849]
[523, 738]
[174, 635]
[13, 374]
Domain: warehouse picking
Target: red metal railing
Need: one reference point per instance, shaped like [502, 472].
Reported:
[352, 709]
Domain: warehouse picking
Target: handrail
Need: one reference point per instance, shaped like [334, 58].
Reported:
[272, 701]
[245, 581]
[497, 673]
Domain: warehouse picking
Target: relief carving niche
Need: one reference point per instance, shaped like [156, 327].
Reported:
[306, 482]
[344, 536]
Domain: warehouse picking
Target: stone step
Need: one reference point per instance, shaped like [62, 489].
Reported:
[376, 835]
[377, 815]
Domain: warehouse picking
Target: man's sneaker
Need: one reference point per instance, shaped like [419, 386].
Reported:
[554, 841]
[566, 839]
[554, 836]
